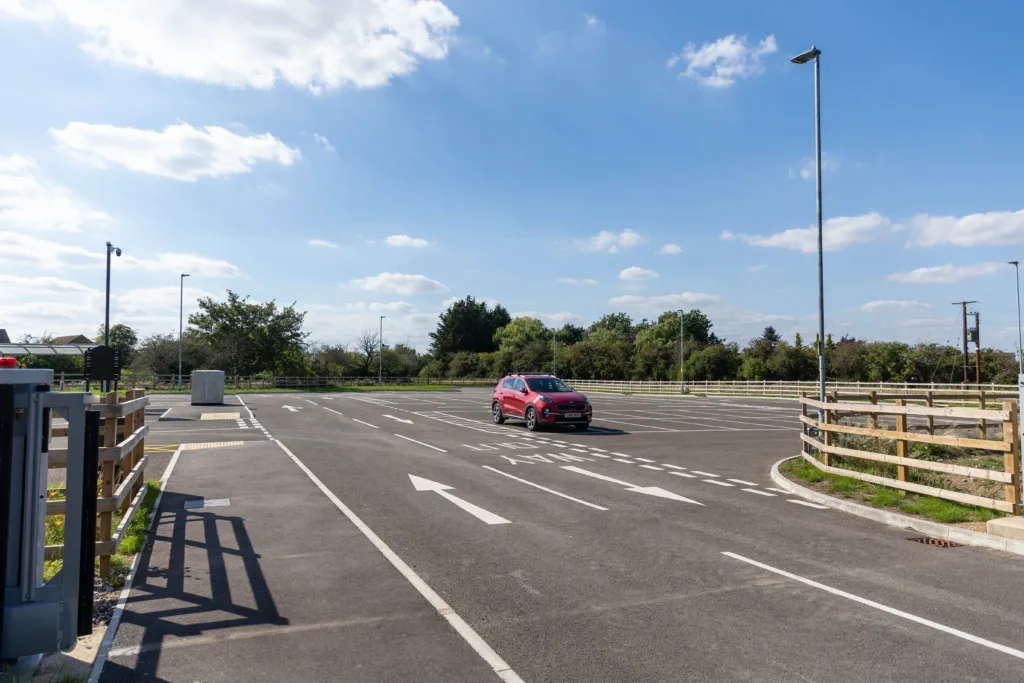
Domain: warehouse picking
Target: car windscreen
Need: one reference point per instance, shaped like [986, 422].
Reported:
[547, 384]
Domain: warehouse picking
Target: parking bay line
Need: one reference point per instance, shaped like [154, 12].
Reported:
[365, 423]
[810, 505]
[544, 488]
[884, 608]
[628, 462]
[758, 492]
[684, 474]
[740, 481]
[653, 467]
[421, 443]
[704, 474]
[718, 483]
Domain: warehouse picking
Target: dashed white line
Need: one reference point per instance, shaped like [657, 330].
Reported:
[421, 443]
[472, 448]
[740, 481]
[884, 608]
[331, 410]
[599, 455]
[579, 450]
[672, 467]
[704, 474]
[683, 474]
[759, 492]
[777, 490]
[645, 460]
[544, 488]
[652, 467]
[810, 505]
[599, 450]
[630, 462]
[624, 455]
[717, 483]
[365, 423]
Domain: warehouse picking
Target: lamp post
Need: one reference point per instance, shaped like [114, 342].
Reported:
[682, 377]
[802, 58]
[380, 345]
[1020, 351]
[181, 318]
[111, 249]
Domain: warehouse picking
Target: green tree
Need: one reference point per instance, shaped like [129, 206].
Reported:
[886, 361]
[519, 333]
[713, 363]
[158, 354]
[847, 361]
[468, 325]
[798, 341]
[570, 334]
[249, 338]
[122, 338]
[618, 323]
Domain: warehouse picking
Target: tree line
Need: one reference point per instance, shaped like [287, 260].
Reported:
[475, 340]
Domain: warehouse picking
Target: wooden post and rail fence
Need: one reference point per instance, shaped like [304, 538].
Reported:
[122, 465]
[819, 436]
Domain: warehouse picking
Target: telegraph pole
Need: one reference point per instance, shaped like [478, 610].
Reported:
[963, 306]
[977, 348]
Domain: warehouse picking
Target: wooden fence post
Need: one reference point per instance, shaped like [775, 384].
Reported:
[874, 416]
[930, 401]
[1011, 459]
[140, 449]
[981, 422]
[901, 444]
[108, 437]
[829, 419]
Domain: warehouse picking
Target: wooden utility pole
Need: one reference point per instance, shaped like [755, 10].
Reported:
[963, 306]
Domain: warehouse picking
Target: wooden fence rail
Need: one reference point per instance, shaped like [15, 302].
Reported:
[818, 436]
[122, 467]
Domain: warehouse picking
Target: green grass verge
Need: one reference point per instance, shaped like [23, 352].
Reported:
[936, 509]
[321, 390]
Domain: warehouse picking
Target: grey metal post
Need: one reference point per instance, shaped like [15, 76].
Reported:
[181, 317]
[554, 352]
[821, 275]
[1020, 348]
[682, 376]
[380, 346]
[106, 316]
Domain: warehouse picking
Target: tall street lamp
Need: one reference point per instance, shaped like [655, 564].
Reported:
[111, 249]
[380, 344]
[802, 58]
[1020, 351]
[682, 377]
[181, 318]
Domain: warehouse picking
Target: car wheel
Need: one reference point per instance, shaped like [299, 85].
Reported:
[496, 414]
[531, 419]
[582, 427]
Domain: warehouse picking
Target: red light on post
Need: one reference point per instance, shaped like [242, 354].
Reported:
[8, 362]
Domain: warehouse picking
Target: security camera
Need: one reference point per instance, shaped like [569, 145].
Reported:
[118, 251]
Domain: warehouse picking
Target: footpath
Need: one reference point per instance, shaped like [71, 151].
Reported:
[252, 573]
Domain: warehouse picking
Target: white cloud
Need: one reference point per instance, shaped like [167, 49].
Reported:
[34, 305]
[610, 242]
[837, 233]
[142, 302]
[193, 264]
[972, 230]
[390, 306]
[721, 63]
[576, 281]
[315, 44]
[399, 283]
[26, 202]
[829, 164]
[180, 151]
[637, 274]
[405, 241]
[662, 302]
[41, 254]
[948, 273]
[550, 319]
[322, 243]
[894, 306]
[671, 249]
[323, 142]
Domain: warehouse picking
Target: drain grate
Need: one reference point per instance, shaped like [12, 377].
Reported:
[938, 542]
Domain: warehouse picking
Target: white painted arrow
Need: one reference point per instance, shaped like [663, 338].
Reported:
[398, 419]
[294, 409]
[421, 484]
[649, 490]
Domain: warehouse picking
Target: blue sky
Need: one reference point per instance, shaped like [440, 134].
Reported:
[366, 158]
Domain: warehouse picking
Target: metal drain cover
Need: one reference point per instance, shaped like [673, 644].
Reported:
[939, 542]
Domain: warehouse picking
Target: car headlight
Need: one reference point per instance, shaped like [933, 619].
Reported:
[547, 399]
[585, 399]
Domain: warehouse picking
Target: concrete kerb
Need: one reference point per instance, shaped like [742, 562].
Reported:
[894, 519]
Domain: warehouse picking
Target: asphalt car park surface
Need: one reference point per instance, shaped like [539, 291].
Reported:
[653, 547]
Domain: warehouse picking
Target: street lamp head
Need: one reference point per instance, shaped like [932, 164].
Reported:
[1014, 263]
[185, 275]
[807, 56]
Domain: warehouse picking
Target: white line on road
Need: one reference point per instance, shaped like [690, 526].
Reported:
[645, 460]
[624, 455]
[421, 443]
[704, 474]
[292, 409]
[683, 474]
[472, 448]
[599, 450]
[777, 490]
[332, 411]
[579, 450]
[628, 462]
[672, 467]
[884, 608]
[397, 419]
[719, 483]
[759, 492]
[421, 484]
[599, 455]
[166, 413]
[544, 488]
[308, 401]
[810, 505]
[653, 467]
[479, 645]
[648, 490]
[365, 423]
[740, 481]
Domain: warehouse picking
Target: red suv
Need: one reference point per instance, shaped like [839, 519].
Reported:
[539, 400]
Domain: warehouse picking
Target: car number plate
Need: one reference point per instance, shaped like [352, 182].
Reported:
[572, 415]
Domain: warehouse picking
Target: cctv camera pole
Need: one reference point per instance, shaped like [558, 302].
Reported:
[106, 317]
[380, 344]
[181, 316]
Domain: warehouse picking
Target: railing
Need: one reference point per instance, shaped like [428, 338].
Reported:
[793, 389]
[122, 461]
[153, 382]
[819, 438]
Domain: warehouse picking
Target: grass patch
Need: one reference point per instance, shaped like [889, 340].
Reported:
[135, 534]
[936, 509]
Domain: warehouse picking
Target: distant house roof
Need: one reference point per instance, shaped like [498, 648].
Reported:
[4, 339]
[72, 339]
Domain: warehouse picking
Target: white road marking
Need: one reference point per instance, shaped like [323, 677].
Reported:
[715, 481]
[810, 505]
[293, 409]
[579, 450]
[777, 490]
[308, 401]
[421, 443]
[398, 419]
[333, 411]
[673, 467]
[486, 447]
[884, 608]
[624, 455]
[704, 474]
[599, 450]
[652, 467]
[628, 462]
[365, 423]
[421, 484]
[544, 488]
[759, 492]
[599, 455]
[166, 413]
[683, 474]
[645, 460]
[479, 645]
[740, 481]
[648, 490]
[472, 448]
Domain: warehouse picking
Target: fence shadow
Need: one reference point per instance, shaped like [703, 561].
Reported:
[171, 596]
